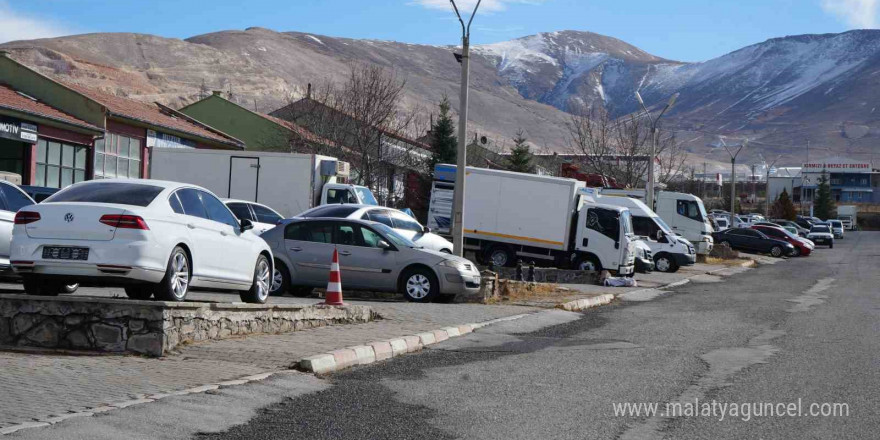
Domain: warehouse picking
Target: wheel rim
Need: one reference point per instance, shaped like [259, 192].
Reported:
[663, 264]
[587, 265]
[277, 280]
[499, 258]
[180, 275]
[776, 251]
[418, 286]
[263, 281]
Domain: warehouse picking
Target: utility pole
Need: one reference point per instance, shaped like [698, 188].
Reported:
[733, 175]
[461, 162]
[649, 187]
[767, 182]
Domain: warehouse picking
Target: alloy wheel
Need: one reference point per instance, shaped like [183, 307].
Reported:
[418, 286]
[180, 276]
[277, 280]
[264, 281]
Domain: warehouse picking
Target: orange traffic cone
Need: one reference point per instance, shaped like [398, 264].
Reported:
[333, 296]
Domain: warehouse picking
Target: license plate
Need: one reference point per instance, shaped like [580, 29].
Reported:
[65, 253]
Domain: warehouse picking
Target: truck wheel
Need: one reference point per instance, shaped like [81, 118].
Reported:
[665, 263]
[500, 256]
[420, 285]
[588, 262]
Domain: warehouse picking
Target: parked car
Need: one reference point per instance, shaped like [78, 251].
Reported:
[372, 256]
[836, 228]
[38, 193]
[151, 237]
[801, 231]
[821, 234]
[801, 246]
[403, 224]
[747, 239]
[261, 216]
[721, 223]
[804, 222]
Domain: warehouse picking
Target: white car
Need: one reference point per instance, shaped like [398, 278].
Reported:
[262, 216]
[12, 199]
[152, 237]
[403, 224]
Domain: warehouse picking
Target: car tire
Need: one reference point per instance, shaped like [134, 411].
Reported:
[665, 263]
[280, 279]
[178, 274]
[796, 252]
[498, 254]
[831, 246]
[39, 287]
[419, 285]
[587, 262]
[777, 251]
[140, 293]
[262, 283]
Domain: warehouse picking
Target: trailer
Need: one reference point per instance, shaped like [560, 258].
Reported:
[287, 182]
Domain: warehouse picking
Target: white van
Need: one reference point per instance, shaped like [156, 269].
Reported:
[669, 251]
[684, 213]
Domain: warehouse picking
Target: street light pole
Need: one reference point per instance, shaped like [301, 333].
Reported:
[767, 185]
[733, 175]
[461, 162]
[649, 188]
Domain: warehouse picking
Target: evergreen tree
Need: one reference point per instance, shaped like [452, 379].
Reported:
[444, 145]
[520, 158]
[783, 207]
[824, 205]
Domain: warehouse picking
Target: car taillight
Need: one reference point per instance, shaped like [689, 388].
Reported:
[124, 221]
[25, 217]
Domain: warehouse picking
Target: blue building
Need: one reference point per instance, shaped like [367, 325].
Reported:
[851, 181]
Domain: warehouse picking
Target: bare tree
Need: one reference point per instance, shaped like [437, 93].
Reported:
[672, 157]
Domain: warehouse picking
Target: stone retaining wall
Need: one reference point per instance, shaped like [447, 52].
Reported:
[152, 327]
[551, 275]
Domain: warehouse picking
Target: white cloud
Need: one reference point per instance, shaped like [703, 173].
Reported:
[15, 26]
[466, 6]
[856, 13]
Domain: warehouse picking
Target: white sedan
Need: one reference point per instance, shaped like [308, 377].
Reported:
[262, 216]
[403, 224]
[152, 237]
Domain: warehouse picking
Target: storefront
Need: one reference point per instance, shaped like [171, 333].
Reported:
[16, 138]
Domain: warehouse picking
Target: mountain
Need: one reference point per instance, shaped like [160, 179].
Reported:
[781, 93]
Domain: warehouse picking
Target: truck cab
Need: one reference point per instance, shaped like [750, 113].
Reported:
[336, 193]
[603, 237]
[686, 215]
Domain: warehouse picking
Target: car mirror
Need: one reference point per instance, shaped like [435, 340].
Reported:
[659, 236]
[382, 244]
[246, 225]
[426, 230]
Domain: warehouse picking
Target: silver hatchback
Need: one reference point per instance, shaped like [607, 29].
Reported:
[372, 256]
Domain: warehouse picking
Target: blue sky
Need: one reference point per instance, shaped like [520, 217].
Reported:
[687, 30]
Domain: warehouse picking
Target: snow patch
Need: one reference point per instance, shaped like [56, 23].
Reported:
[314, 38]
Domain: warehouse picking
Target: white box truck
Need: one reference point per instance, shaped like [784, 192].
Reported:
[288, 183]
[549, 220]
[684, 213]
[669, 251]
[847, 214]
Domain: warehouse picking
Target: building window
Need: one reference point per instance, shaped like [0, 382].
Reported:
[835, 181]
[117, 156]
[59, 165]
[864, 181]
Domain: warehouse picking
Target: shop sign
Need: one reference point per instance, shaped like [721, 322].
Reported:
[838, 166]
[163, 140]
[17, 130]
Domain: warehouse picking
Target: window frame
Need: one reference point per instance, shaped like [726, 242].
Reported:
[60, 167]
[104, 153]
[589, 224]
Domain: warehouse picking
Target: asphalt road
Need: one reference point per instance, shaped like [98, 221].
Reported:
[806, 330]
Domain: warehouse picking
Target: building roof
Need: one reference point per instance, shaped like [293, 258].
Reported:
[12, 99]
[152, 114]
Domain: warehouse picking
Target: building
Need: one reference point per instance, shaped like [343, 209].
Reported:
[55, 133]
[851, 181]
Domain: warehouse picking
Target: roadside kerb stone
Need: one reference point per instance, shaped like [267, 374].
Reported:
[587, 303]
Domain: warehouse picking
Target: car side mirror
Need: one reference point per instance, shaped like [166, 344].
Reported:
[384, 245]
[660, 236]
[246, 225]
[426, 230]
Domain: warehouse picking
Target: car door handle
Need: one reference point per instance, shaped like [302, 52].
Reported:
[296, 249]
[345, 253]
[190, 225]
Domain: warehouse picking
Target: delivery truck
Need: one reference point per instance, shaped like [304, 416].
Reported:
[288, 183]
[848, 215]
[684, 213]
[549, 220]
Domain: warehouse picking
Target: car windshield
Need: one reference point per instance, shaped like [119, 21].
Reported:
[663, 226]
[395, 238]
[835, 223]
[820, 228]
[626, 220]
[135, 194]
[366, 195]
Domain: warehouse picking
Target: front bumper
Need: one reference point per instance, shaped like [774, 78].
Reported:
[644, 266]
[685, 259]
[822, 240]
[626, 270]
[454, 282]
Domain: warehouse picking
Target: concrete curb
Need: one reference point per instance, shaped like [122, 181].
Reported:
[381, 350]
[51, 420]
[587, 303]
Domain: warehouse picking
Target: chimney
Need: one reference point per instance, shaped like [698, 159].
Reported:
[309, 91]
[217, 93]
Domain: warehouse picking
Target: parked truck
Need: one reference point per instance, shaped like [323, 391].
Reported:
[847, 214]
[684, 213]
[289, 183]
[550, 220]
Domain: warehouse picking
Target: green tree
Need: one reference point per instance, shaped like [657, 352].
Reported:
[783, 207]
[520, 158]
[824, 205]
[444, 145]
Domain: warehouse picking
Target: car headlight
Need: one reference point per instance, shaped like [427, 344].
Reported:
[462, 267]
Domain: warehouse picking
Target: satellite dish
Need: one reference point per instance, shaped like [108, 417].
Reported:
[484, 140]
